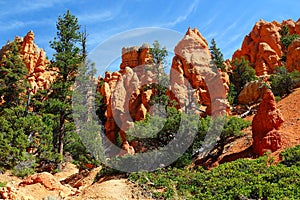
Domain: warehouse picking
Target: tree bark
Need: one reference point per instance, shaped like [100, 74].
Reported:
[61, 136]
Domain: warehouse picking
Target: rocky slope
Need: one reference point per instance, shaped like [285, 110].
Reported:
[67, 184]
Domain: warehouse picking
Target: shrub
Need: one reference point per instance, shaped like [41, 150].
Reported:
[242, 73]
[239, 179]
[3, 184]
[233, 126]
[283, 82]
[291, 156]
[20, 135]
[288, 39]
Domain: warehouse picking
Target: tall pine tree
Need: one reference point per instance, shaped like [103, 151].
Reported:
[217, 56]
[67, 59]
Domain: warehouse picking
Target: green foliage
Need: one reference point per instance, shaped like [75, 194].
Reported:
[22, 171]
[217, 56]
[12, 77]
[158, 54]
[3, 184]
[283, 82]
[288, 39]
[232, 95]
[157, 66]
[233, 126]
[156, 130]
[106, 171]
[67, 58]
[31, 138]
[25, 141]
[242, 73]
[284, 30]
[85, 144]
[291, 156]
[240, 179]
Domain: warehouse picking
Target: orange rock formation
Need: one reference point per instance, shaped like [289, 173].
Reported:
[293, 55]
[265, 126]
[193, 73]
[124, 97]
[192, 78]
[36, 62]
[263, 49]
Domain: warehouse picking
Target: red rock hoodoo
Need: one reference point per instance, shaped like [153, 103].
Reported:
[36, 62]
[263, 49]
[192, 77]
[266, 124]
[124, 97]
[192, 72]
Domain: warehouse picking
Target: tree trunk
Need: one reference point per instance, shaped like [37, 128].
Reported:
[61, 136]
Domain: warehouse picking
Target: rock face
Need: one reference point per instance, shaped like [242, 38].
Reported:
[125, 99]
[263, 49]
[36, 62]
[193, 77]
[192, 80]
[252, 93]
[135, 56]
[265, 126]
[293, 56]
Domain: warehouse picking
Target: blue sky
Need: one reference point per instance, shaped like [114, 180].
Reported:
[226, 21]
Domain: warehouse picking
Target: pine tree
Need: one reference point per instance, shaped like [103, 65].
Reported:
[242, 73]
[217, 56]
[13, 71]
[67, 59]
[158, 58]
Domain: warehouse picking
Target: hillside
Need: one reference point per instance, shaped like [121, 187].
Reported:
[216, 111]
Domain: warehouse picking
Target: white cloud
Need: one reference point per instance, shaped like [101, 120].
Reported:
[183, 17]
[97, 17]
[29, 6]
[229, 28]
[10, 25]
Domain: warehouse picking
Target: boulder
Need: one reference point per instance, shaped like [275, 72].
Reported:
[46, 179]
[252, 92]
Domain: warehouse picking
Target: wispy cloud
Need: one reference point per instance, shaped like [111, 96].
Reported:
[231, 45]
[229, 28]
[183, 17]
[10, 25]
[26, 6]
[97, 17]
